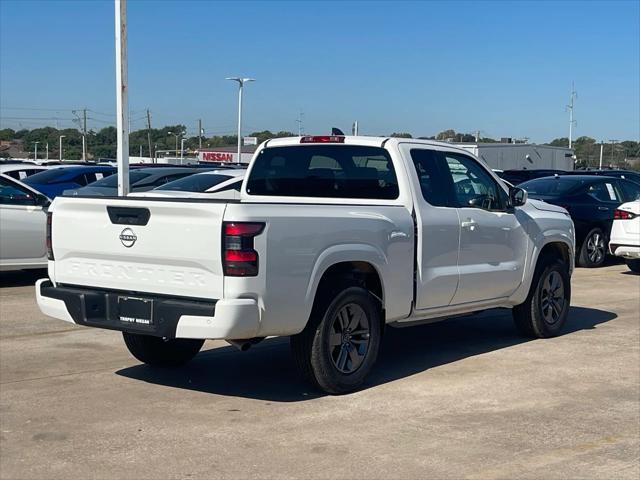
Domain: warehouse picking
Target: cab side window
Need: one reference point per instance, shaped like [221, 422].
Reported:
[434, 190]
[11, 194]
[473, 186]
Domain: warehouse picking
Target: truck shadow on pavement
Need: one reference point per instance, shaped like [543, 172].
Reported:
[21, 278]
[266, 371]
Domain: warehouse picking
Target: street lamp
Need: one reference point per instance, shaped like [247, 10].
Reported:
[176, 135]
[182, 150]
[60, 149]
[241, 82]
[35, 152]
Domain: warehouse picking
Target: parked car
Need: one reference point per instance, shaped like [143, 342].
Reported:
[333, 239]
[625, 234]
[23, 222]
[20, 171]
[140, 180]
[625, 174]
[516, 177]
[591, 201]
[55, 181]
[214, 184]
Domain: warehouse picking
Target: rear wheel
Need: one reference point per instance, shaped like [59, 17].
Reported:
[634, 265]
[593, 249]
[159, 352]
[544, 312]
[340, 343]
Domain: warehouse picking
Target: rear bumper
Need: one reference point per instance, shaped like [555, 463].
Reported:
[626, 251]
[173, 318]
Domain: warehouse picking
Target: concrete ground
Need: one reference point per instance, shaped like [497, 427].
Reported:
[466, 398]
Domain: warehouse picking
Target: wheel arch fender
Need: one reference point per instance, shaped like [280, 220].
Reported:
[344, 254]
[556, 243]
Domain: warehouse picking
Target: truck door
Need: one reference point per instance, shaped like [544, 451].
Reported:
[493, 243]
[438, 230]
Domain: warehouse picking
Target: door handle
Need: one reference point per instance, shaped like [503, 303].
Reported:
[603, 209]
[470, 224]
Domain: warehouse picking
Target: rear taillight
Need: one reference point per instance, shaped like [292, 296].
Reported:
[48, 236]
[239, 259]
[623, 215]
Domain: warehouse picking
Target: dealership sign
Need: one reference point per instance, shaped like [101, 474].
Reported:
[216, 157]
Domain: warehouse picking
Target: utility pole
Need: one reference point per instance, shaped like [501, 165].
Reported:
[477, 136]
[35, 151]
[122, 91]
[613, 149]
[47, 150]
[299, 121]
[84, 135]
[354, 129]
[199, 134]
[572, 122]
[151, 155]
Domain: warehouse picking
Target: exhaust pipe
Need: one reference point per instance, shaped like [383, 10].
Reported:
[245, 344]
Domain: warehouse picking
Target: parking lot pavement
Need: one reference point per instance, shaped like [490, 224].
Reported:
[466, 398]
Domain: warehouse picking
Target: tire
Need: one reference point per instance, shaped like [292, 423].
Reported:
[593, 250]
[340, 343]
[158, 352]
[634, 265]
[537, 316]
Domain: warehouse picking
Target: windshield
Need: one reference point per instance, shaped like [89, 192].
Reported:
[550, 185]
[112, 180]
[195, 183]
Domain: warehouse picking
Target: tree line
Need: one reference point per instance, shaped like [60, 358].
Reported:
[102, 143]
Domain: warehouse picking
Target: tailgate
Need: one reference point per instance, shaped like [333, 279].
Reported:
[163, 247]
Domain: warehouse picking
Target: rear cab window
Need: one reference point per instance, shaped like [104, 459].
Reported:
[329, 171]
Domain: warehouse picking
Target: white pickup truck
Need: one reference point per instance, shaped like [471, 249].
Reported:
[333, 239]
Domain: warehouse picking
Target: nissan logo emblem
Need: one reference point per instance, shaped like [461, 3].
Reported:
[128, 238]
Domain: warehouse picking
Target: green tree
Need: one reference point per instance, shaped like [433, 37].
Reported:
[559, 142]
[7, 134]
[446, 134]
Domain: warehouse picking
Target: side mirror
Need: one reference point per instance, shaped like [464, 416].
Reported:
[517, 196]
[42, 201]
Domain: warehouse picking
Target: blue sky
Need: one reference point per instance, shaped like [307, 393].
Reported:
[502, 67]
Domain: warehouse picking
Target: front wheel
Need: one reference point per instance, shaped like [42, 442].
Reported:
[633, 264]
[340, 343]
[544, 312]
[159, 352]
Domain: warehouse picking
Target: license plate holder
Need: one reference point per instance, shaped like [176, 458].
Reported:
[135, 311]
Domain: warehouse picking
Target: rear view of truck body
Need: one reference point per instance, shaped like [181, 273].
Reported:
[160, 247]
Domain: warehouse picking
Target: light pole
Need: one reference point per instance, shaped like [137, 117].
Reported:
[176, 135]
[241, 82]
[60, 149]
[182, 150]
[35, 151]
[47, 151]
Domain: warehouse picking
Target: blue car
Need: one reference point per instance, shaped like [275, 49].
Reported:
[54, 181]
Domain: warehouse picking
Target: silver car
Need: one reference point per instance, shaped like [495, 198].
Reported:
[23, 223]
